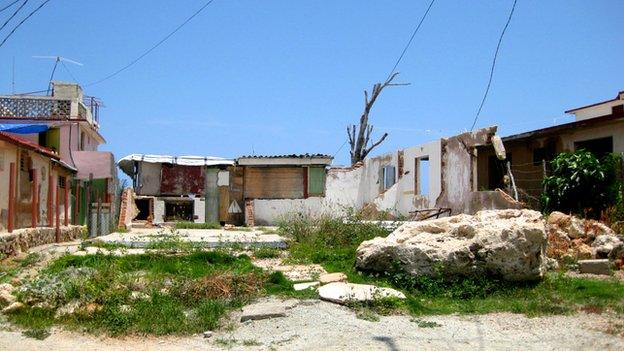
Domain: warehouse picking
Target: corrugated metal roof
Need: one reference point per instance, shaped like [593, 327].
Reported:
[289, 156]
[126, 163]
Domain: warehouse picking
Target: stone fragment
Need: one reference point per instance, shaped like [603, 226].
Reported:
[601, 266]
[6, 298]
[303, 286]
[207, 334]
[332, 277]
[263, 310]
[504, 243]
[301, 273]
[342, 293]
[14, 307]
[604, 244]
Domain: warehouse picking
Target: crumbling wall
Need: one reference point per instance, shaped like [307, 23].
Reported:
[20, 240]
[459, 169]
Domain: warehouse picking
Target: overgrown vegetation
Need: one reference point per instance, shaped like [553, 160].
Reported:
[333, 243]
[145, 294]
[585, 185]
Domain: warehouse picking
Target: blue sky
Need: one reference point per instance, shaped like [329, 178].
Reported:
[288, 76]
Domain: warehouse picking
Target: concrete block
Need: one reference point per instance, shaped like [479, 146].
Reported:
[595, 266]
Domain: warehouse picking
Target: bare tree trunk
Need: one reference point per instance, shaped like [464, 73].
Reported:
[359, 143]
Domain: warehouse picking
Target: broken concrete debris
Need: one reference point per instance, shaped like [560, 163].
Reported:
[272, 308]
[332, 277]
[304, 286]
[343, 293]
[507, 243]
[601, 266]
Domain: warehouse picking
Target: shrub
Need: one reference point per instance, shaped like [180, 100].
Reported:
[582, 184]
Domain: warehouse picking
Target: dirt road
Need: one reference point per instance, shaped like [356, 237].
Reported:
[325, 326]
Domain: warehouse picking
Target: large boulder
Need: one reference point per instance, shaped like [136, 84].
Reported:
[509, 244]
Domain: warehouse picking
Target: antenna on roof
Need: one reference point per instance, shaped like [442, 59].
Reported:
[58, 59]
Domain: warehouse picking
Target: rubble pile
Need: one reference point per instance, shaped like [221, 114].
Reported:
[572, 238]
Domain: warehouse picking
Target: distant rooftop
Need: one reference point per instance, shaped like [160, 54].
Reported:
[127, 163]
[293, 159]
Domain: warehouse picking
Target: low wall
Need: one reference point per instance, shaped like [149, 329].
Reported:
[20, 240]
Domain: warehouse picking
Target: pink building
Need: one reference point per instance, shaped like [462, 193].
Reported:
[73, 134]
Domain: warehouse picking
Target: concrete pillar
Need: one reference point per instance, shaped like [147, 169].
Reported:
[34, 214]
[12, 196]
[211, 191]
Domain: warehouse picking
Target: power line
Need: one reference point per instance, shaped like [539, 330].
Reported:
[9, 5]
[487, 89]
[22, 21]
[422, 19]
[13, 15]
[153, 47]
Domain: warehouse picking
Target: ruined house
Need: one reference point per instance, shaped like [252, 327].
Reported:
[179, 188]
[598, 128]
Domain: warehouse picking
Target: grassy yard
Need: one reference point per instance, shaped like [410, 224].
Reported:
[333, 243]
[144, 294]
[184, 290]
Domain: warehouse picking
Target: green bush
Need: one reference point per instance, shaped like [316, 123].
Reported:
[582, 184]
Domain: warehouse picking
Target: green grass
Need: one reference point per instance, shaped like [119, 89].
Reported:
[193, 225]
[266, 252]
[186, 293]
[333, 244]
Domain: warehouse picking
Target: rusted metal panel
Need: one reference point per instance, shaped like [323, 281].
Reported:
[274, 182]
[224, 203]
[181, 180]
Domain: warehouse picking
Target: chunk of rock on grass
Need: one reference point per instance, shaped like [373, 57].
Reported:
[304, 286]
[68, 309]
[332, 277]
[602, 267]
[263, 310]
[14, 307]
[344, 293]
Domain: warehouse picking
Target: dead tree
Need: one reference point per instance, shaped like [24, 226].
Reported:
[360, 144]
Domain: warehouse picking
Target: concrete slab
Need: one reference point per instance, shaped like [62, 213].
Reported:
[210, 238]
[343, 293]
[332, 277]
[303, 286]
[602, 267]
[301, 273]
[263, 310]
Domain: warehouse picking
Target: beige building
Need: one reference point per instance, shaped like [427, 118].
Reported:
[34, 185]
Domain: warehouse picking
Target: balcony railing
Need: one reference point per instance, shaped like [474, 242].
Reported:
[19, 107]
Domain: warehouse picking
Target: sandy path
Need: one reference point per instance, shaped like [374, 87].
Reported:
[325, 326]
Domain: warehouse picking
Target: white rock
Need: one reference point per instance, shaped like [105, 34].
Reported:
[506, 243]
[342, 293]
[6, 298]
[604, 244]
[15, 306]
[303, 286]
[332, 277]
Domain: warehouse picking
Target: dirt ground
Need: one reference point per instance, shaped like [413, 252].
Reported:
[317, 325]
